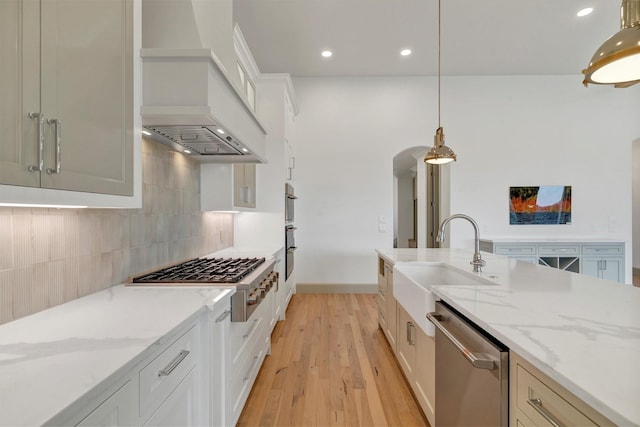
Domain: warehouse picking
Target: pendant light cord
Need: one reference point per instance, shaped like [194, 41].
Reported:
[439, 37]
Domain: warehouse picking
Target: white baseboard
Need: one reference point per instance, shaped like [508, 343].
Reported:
[336, 288]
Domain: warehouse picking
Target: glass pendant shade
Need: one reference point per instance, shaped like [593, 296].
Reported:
[439, 154]
[617, 61]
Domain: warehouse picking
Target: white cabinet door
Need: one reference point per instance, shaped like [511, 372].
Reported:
[67, 99]
[604, 268]
[87, 79]
[244, 185]
[20, 83]
[117, 410]
[182, 407]
[219, 329]
[406, 343]
[391, 313]
[425, 381]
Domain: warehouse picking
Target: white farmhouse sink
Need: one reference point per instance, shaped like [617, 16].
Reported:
[412, 284]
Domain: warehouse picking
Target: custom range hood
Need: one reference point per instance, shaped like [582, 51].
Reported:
[191, 101]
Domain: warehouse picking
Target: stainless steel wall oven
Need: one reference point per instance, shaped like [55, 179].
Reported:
[290, 249]
[289, 200]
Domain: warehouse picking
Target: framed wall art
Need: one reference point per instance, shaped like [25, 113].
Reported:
[545, 204]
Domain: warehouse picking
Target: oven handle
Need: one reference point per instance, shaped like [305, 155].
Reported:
[477, 360]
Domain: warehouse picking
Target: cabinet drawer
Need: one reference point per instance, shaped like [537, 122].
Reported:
[541, 404]
[242, 335]
[603, 250]
[515, 250]
[163, 374]
[560, 250]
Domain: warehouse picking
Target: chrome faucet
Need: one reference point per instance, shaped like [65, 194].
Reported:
[477, 262]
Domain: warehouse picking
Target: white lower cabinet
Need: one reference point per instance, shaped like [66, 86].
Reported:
[247, 345]
[182, 407]
[164, 389]
[416, 353]
[424, 385]
[117, 410]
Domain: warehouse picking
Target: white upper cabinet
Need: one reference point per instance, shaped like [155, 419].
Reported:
[67, 104]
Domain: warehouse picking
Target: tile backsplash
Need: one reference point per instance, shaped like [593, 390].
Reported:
[51, 256]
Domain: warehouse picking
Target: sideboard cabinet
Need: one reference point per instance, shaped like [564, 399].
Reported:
[604, 259]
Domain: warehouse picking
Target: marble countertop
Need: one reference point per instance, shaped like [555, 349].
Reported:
[581, 331]
[52, 358]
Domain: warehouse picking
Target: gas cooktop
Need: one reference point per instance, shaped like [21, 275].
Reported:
[203, 270]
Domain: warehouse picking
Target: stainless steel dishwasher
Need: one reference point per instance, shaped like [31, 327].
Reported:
[472, 373]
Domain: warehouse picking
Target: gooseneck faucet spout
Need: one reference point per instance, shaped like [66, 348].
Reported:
[477, 262]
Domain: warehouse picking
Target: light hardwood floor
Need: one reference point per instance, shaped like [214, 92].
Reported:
[330, 365]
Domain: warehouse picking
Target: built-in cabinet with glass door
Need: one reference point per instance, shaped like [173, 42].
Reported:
[67, 95]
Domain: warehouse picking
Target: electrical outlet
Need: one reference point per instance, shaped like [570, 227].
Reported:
[382, 228]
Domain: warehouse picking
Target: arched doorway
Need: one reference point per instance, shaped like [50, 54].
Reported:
[420, 199]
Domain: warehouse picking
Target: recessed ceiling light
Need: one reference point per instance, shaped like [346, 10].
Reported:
[327, 53]
[187, 151]
[146, 132]
[405, 52]
[245, 150]
[220, 131]
[585, 11]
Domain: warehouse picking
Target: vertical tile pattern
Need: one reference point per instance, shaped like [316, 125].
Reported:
[6, 241]
[51, 256]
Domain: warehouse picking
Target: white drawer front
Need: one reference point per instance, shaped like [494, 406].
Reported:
[515, 250]
[603, 250]
[163, 374]
[559, 250]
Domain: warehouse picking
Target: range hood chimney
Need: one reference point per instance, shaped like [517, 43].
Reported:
[191, 96]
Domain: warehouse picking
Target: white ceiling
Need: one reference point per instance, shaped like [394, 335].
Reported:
[479, 37]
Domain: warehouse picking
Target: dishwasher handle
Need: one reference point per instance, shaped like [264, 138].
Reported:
[479, 361]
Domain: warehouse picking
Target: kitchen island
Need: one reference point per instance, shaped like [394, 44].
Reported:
[582, 332]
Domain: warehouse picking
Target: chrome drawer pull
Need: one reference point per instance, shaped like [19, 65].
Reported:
[40, 117]
[537, 405]
[223, 316]
[174, 364]
[58, 126]
[477, 360]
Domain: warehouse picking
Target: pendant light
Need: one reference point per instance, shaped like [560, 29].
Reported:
[440, 154]
[617, 61]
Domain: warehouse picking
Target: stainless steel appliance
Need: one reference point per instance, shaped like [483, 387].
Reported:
[251, 277]
[289, 200]
[472, 372]
[290, 248]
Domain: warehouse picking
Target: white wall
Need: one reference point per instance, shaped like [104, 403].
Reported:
[635, 167]
[507, 131]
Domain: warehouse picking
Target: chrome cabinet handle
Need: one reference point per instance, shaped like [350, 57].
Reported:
[412, 339]
[58, 126]
[40, 117]
[173, 364]
[479, 361]
[410, 328]
[536, 404]
[223, 316]
[604, 264]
